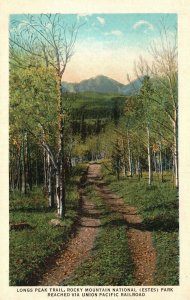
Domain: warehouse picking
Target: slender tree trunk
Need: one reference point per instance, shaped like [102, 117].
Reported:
[45, 169]
[160, 159]
[70, 157]
[149, 156]
[118, 169]
[129, 156]
[50, 183]
[58, 191]
[17, 179]
[26, 160]
[124, 159]
[23, 166]
[29, 168]
[165, 161]
[173, 172]
[20, 170]
[169, 165]
[16, 171]
[154, 158]
[124, 167]
[176, 149]
[11, 178]
[138, 169]
[11, 168]
[60, 175]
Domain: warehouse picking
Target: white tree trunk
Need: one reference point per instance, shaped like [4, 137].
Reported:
[149, 156]
[124, 168]
[176, 151]
[124, 159]
[154, 158]
[129, 156]
[60, 172]
[50, 183]
[58, 191]
[23, 165]
[160, 158]
[45, 170]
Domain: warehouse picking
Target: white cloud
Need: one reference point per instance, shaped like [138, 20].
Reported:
[85, 16]
[101, 20]
[115, 33]
[143, 23]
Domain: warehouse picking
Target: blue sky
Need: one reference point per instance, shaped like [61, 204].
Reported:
[132, 28]
[109, 44]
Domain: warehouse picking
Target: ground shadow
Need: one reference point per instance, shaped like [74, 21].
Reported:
[168, 205]
[161, 223]
[165, 224]
[32, 209]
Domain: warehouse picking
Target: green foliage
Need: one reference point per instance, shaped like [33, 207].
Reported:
[30, 248]
[99, 105]
[32, 101]
[109, 262]
[158, 206]
[146, 111]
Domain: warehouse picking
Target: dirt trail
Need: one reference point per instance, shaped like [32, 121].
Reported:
[77, 249]
[139, 240]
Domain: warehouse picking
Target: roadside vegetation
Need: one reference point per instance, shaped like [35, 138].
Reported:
[30, 247]
[158, 205]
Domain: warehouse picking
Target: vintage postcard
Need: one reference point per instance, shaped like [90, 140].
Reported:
[94, 150]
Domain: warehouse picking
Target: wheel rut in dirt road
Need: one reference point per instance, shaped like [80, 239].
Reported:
[78, 247]
[139, 240]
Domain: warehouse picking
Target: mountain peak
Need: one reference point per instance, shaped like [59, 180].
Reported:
[102, 84]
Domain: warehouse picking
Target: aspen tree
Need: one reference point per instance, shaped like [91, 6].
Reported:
[47, 39]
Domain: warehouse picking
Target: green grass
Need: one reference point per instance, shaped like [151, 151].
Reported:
[110, 262]
[158, 206]
[30, 248]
